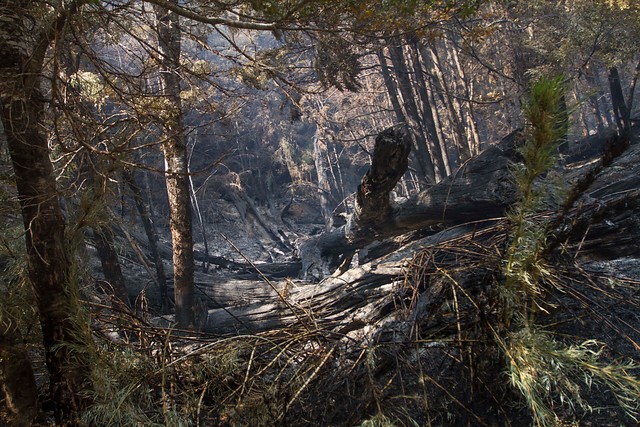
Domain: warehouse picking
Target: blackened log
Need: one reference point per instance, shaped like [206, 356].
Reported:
[480, 190]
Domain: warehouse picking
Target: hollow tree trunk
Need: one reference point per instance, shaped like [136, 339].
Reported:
[176, 165]
[49, 264]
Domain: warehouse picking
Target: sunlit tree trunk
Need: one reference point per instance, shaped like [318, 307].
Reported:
[463, 87]
[429, 124]
[392, 89]
[176, 166]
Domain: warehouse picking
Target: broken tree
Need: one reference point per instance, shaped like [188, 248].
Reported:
[479, 190]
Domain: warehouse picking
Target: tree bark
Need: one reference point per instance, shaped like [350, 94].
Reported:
[425, 160]
[438, 150]
[64, 334]
[16, 375]
[392, 89]
[176, 167]
[620, 109]
[49, 262]
[324, 190]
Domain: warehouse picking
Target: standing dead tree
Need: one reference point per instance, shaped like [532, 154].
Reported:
[479, 190]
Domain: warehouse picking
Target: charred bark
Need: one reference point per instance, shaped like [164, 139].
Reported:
[16, 375]
[482, 189]
[620, 109]
[603, 223]
[152, 236]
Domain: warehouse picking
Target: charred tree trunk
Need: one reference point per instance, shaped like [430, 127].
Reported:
[425, 160]
[152, 236]
[105, 246]
[481, 190]
[16, 375]
[620, 109]
[21, 108]
[176, 165]
[373, 207]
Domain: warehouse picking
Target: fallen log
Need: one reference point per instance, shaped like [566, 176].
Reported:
[481, 189]
[416, 323]
[604, 223]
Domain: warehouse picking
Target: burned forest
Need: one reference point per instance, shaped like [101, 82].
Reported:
[319, 213]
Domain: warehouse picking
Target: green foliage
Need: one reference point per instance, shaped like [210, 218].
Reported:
[544, 370]
[90, 87]
[121, 397]
[567, 35]
[17, 305]
[525, 265]
[378, 420]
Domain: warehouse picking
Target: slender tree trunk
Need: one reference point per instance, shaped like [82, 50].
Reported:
[617, 100]
[598, 117]
[152, 235]
[421, 144]
[196, 208]
[105, 246]
[632, 89]
[65, 335]
[324, 190]
[176, 166]
[439, 154]
[392, 90]
[461, 85]
[464, 138]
